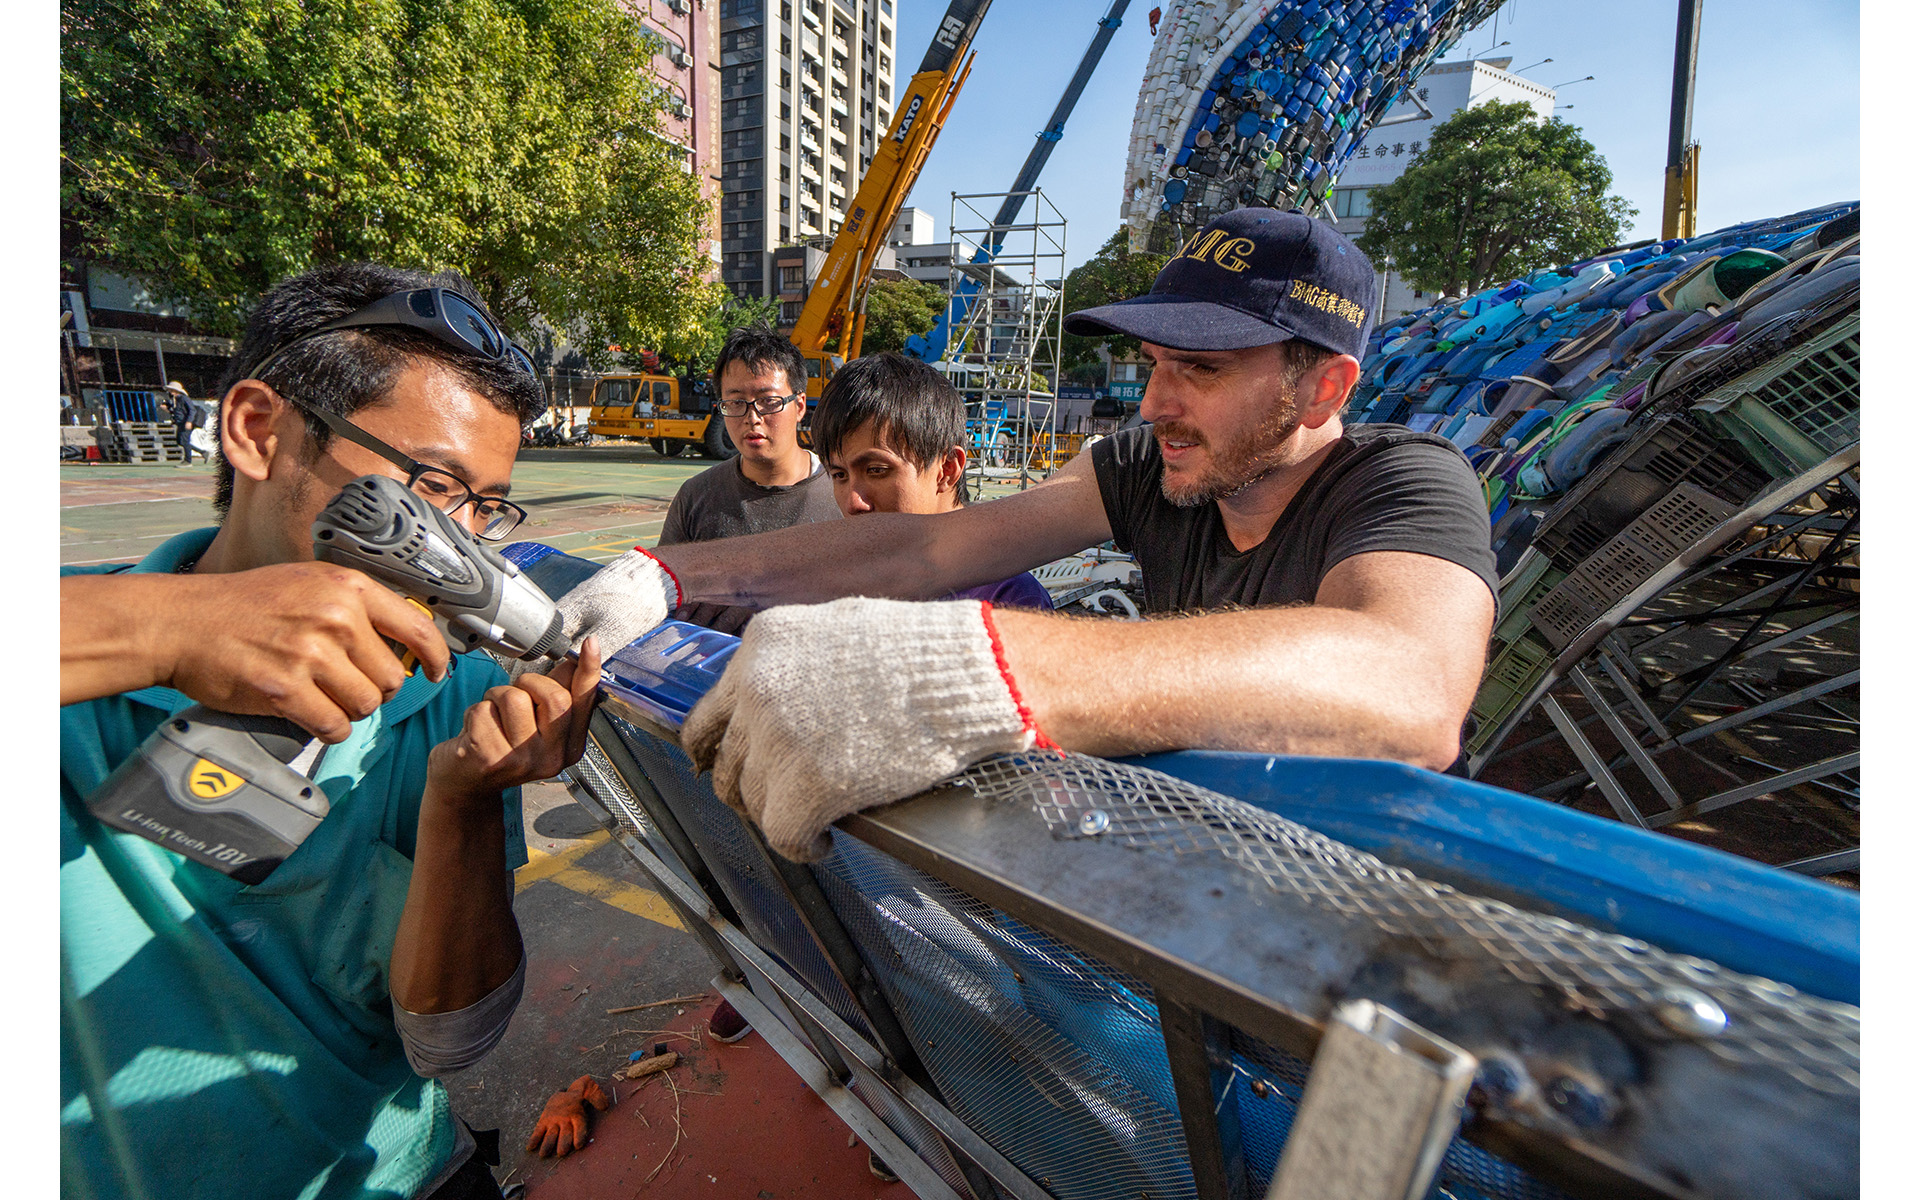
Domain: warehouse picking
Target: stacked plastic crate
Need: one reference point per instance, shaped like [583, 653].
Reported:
[1619, 409]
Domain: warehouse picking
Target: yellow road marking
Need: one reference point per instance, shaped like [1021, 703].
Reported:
[559, 868]
[543, 865]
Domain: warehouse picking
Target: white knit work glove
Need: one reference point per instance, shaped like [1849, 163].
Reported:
[826, 709]
[619, 604]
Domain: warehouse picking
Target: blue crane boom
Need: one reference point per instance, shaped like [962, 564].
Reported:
[932, 345]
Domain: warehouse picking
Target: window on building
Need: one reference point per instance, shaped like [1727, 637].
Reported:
[785, 175]
[792, 279]
[833, 227]
[1352, 202]
[786, 111]
[783, 204]
[885, 94]
[786, 231]
[786, 141]
[886, 35]
[786, 80]
[786, 12]
[886, 64]
[786, 46]
[790, 311]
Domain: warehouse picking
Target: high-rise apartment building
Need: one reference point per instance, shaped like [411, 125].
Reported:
[688, 67]
[806, 92]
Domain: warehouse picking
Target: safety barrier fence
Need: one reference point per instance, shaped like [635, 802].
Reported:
[1212, 975]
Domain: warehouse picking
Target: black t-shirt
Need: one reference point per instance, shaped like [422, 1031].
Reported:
[1382, 487]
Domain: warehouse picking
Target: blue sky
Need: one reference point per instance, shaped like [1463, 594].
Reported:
[1776, 108]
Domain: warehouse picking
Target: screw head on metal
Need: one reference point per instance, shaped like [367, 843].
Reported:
[1578, 1103]
[1094, 821]
[1690, 1013]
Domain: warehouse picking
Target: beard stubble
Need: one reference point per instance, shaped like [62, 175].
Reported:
[1241, 462]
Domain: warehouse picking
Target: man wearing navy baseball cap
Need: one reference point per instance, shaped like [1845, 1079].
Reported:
[1327, 590]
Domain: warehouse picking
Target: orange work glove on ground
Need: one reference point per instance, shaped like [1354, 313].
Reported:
[562, 1127]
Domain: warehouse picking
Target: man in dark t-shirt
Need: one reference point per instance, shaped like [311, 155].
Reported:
[1381, 487]
[1323, 590]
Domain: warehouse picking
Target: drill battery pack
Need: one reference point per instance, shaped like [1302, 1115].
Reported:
[231, 792]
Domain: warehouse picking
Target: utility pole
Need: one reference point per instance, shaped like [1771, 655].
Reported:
[1681, 204]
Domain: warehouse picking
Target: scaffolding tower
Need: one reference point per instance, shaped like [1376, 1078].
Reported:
[1003, 354]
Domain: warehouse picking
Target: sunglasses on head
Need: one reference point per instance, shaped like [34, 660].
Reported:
[447, 316]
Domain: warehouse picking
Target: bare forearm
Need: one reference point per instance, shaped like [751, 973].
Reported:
[457, 940]
[107, 643]
[1307, 680]
[880, 554]
[897, 555]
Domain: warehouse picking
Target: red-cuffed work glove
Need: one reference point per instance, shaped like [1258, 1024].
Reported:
[826, 709]
[626, 598]
[562, 1127]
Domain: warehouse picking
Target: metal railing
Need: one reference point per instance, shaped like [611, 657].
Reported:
[1061, 976]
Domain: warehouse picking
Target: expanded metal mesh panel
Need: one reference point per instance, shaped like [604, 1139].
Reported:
[911, 1126]
[1053, 1056]
[739, 868]
[1815, 1041]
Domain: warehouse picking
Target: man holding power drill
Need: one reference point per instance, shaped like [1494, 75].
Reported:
[228, 1040]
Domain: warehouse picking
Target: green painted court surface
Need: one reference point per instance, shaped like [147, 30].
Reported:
[595, 502]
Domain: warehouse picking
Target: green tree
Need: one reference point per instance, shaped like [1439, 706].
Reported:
[212, 147]
[1496, 193]
[731, 314]
[1114, 274]
[898, 309]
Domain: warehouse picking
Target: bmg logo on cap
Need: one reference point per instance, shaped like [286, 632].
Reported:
[1213, 245]
[1252, 277]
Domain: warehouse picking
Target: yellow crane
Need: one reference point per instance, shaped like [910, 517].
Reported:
[835, 311]
[674, 414]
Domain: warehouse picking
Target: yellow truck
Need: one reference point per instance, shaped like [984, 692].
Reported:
[668, 413]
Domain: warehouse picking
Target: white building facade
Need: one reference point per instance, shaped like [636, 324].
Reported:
[807, 89]
[1446, 88]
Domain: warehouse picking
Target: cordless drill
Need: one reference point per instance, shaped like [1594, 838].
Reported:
[236, 792]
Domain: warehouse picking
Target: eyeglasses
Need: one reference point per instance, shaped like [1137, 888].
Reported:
[443, 489]
[766, 406]
[447, 316]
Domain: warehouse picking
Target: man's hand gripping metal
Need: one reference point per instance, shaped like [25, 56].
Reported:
[828, 709]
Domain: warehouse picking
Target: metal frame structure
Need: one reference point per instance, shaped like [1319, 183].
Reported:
[1010, 333]
[1653, 717]
[1162, 918]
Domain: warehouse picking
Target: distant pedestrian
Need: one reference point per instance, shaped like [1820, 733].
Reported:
[186, 418]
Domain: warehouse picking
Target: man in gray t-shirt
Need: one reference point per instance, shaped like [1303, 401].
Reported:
[723, 502]
[774, 482]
